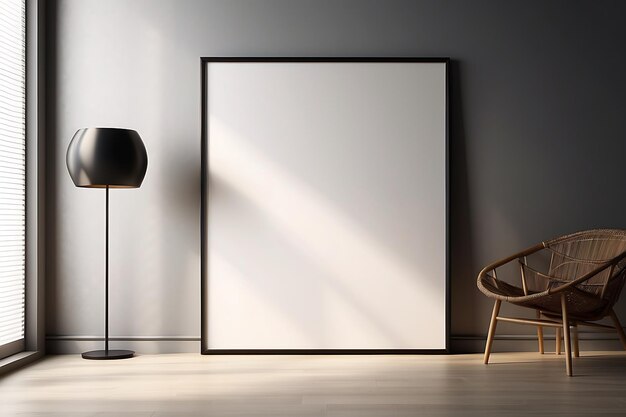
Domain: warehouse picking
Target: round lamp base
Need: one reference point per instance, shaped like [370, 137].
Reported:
[108, 354]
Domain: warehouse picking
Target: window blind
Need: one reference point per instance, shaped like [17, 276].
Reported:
[12, 169]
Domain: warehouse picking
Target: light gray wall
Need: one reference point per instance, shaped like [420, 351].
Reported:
[538, 128]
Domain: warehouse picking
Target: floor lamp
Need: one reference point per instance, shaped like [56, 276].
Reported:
[107, 158]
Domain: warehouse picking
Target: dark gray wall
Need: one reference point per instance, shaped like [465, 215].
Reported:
[538, 128]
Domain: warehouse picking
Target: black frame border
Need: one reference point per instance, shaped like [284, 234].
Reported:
[204, 349]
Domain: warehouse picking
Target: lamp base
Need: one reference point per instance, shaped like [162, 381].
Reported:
[108, 354]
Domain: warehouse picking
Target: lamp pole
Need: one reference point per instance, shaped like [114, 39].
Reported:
[106, 277]
[107, 353]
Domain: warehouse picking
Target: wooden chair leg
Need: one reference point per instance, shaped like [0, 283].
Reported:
[619, 328]
[492, 330]
[558, 341]
[540, 334]
[566, 336]
[575, 340]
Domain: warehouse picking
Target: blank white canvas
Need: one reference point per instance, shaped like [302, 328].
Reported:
[326, 205]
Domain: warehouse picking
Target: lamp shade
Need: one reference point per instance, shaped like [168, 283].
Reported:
[100, 157]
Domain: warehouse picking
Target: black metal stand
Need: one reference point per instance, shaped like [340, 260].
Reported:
[106, 353]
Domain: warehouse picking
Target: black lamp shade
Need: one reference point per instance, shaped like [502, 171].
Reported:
[99, 157]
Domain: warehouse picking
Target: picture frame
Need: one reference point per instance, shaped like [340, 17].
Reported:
[257, 90]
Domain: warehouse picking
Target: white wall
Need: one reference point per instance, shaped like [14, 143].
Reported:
[536, 142]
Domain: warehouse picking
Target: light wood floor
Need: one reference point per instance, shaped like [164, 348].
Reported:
[389, 385]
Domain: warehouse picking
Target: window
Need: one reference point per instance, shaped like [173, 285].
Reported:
[12, 175]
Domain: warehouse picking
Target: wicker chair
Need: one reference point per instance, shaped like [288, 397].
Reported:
[571, 280]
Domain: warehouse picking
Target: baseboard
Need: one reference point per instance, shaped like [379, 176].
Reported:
[62, 344]
[589, 341]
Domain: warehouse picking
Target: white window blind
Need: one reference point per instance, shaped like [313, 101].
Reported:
[12, 169]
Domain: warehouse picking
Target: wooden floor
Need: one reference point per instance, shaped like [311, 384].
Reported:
[193, 385]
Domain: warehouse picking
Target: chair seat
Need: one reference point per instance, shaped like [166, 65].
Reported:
[580, 305]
